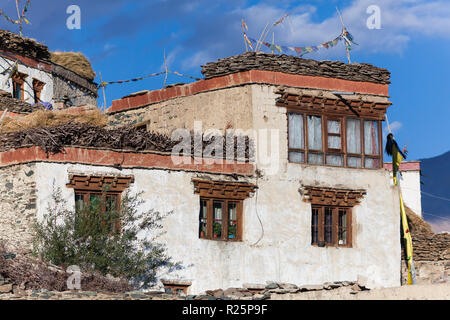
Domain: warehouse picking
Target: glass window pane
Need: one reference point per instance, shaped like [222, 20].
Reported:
[371, 137]
[95, 200]
[314, 158]
[296, 139]
[111, 217]
[334, 126]
[17, 89]
[232, 221]
[354, 162]
[342, 236]
[372, 163]
[335, 160]
[217, 219]
[315, 226]
[203, 218]
[79, 201]
[353, 136]
[111, 202]
[334, 142]
[328, 225]
[314, 133]
[298, 157]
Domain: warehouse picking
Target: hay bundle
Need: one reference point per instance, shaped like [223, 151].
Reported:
[74, 61]
[46, 118]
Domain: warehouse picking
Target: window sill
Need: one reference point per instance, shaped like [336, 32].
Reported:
[332, 246]
[330, 166]
[221, 240]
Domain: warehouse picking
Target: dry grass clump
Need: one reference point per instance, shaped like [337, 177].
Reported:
[46, 118]
[30, 272]
[74, 61]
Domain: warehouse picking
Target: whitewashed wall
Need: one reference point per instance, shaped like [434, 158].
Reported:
[278, 248]
[32, 73]
[410, 186]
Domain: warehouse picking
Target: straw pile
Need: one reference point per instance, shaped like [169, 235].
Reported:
[74, 61]
[46, 118]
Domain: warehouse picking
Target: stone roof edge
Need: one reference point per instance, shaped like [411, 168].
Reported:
[231, 65]
[246, 78]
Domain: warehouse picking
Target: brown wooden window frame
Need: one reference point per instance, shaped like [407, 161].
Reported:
[38, 86]
[228, 193]
[87, 194]
[343, 134]
[210, 234]
[18, 80]
[321, 211]
[336, 200]
[176, 287]
[109, 186]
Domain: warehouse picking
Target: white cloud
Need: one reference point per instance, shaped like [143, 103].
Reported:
[394, 126]
[401, 20]
[196, 60]
[170, 58]
[440, 225]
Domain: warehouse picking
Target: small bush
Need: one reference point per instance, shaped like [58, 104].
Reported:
[99, 237]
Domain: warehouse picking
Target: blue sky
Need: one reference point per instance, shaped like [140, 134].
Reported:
[127, 39]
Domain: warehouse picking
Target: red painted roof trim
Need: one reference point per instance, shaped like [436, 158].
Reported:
[247, 77]
[125, 159]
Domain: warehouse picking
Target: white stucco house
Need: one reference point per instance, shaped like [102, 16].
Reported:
[313, 205]
[30, 76]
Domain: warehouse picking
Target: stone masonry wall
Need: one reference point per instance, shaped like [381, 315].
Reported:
[77, 95]
[431, 252]
[17, 205]
[221, 109]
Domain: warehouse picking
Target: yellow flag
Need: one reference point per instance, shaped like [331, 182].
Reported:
[397, 159]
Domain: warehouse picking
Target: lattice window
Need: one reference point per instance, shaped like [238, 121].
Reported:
[221, 206]
[18, 80]
[331, 214]
[38, 86]
[334, 132]
[92, 190]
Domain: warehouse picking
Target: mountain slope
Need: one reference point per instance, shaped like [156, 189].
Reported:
[435, 179]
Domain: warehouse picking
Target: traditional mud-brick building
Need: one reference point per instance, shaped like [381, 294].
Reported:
[315, 204]
[30, 74]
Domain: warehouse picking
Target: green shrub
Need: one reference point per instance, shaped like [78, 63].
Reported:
[93, 239]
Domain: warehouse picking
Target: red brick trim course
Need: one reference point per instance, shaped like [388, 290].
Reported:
[248, 77]
[125, 159]
[404, 166]
[28, 61]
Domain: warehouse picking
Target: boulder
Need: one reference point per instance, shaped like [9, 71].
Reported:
[6, 288]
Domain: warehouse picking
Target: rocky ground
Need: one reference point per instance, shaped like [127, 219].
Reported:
[272, 291]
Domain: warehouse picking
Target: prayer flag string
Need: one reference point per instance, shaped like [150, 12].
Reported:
[105, 83]
[22, 16]
[345, 35]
